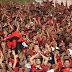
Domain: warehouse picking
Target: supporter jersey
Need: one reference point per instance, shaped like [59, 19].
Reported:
[66, 69]
[33, 52]
[17, 65]
[35, 69]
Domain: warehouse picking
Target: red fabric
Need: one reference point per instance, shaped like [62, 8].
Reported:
[9, 44]
[71, 63]
[33, 52]
[0, 48]
[58, 9]
[25, 29]
[38, 39]
[36, 44]
[1, 33]
[53, 20]
[60, 65]
[16, 69]
[45, 68]
[34, 69]
[57, 57]
[67, 70]
[50, 38]
[25, 50]
[50, 23]
[14, 41]
[10, 60]
[70, 30]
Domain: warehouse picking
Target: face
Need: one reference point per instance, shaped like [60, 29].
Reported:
[49, 65]
[34, 37]
[9, 50]
[36, 47]
[57, 52]
[10, 64]
[22, 32]
[20, 70]
[70, 45]
[28, 58]
[67, 63]
[38, 62]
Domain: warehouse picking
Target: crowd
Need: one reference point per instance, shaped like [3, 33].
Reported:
[35, 38]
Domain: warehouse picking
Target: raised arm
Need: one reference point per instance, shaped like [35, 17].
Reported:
[45, 58]
[31, 59]
[55, 63]
[15, 61]
[1, 60]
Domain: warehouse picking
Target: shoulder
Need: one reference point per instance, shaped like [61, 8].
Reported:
[62, 69]
[42, 65]
[33, 65]
[71, 67]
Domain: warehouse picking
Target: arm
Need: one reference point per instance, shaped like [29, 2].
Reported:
[10, 26]
[47, 33]
[17, 26]
[15, 61]
[45, 58]
[31, 59]
[1, 60]
[3, 44]
[55, 63]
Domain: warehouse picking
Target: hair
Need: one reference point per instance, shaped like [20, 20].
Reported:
[27, 56]
[67, 60]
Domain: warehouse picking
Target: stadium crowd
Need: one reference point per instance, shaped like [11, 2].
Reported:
[35, 38]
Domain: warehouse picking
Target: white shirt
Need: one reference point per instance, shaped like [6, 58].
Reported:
[54, 48]
[70, 51]
[52, 70]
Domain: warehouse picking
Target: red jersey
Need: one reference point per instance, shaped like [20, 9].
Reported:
[66, 69]
[36, 69]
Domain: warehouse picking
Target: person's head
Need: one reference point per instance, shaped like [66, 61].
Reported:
[22, 32]
[38, 61]
[66, 62]
[36, 47]
[57, 51]
[34, 38]
[10, 64]
[70, 45]
[66, 56]
[28, 57]
[20, 69]
[9, 50]
[49, 64]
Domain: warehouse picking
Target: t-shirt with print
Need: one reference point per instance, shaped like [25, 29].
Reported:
[36, 69]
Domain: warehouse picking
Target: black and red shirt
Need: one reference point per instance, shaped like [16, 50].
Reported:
[69, 69]
[36, 69]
